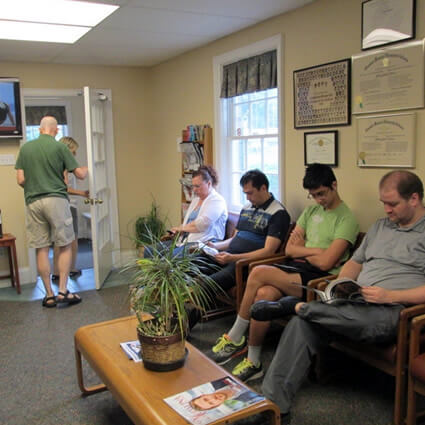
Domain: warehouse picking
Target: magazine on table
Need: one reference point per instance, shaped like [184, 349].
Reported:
[213, 400]
[133, 350]
[344, 288]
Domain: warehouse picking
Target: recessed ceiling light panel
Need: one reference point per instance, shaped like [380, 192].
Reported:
[67, 12]
[10, 30]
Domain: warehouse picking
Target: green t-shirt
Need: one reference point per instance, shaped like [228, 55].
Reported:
[322, 227]
[44, 161]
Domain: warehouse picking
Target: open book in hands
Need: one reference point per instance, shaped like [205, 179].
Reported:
[338, 289]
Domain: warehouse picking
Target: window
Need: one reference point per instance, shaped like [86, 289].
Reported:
[247, 131]
[252, 139]
[35, 110]
[32, 131]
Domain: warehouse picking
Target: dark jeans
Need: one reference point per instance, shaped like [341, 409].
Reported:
[315, 326]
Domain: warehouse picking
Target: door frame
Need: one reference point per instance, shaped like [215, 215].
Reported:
[109, 138]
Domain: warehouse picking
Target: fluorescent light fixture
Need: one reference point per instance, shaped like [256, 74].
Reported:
[69, 13]
[10, 30]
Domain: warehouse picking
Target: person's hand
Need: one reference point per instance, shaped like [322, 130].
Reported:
[176, 229]
[376, 294]
[211, 244]
[296, 238]
[224, 257]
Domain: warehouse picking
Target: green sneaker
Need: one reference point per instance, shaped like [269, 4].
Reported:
[246, 370]
[225, 349]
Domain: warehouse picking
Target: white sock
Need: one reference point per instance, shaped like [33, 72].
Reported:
[254, 354]
[238, 329]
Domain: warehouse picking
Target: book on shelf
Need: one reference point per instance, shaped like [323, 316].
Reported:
[186, 182]
[192, 155]
[213, 400]
[133, 350]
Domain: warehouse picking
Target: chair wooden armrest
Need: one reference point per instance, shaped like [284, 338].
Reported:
[240, 264]
[272, 259]
[418, 323]
[166, 237]
[320, 284]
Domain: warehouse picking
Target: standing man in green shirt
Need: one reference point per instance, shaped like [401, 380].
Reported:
[40, 171]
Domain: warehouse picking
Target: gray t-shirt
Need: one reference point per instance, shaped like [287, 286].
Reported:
[393, 257]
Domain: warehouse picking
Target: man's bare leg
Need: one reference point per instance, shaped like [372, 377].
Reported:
[64, 265]
[43, 267]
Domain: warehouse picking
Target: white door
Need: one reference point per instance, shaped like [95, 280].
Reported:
[99, 184]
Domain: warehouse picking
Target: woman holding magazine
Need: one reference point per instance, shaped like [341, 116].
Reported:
[206, 217]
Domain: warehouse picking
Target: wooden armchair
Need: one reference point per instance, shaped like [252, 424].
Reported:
[416, 369]
[389, 358]
[233, 299]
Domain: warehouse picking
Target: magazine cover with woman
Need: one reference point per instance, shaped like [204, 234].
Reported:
[211, 401]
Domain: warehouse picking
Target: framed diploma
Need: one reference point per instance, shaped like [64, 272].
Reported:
[386, 141]
[387, 21]
[321, 147]
[390, 79]
[322, 95]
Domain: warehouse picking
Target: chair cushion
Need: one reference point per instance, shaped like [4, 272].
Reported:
[232, 221]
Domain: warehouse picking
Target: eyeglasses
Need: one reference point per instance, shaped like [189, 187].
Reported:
[322, 194]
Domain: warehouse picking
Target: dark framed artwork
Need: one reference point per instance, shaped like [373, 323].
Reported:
[387, 22]
[322, 95]
[321, 147]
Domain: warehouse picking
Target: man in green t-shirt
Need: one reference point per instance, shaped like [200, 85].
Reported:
[318, 246]
[40, 171]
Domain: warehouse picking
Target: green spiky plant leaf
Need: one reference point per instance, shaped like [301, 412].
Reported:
[162, 284]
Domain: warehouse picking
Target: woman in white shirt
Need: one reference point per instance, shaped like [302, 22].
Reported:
[206, 217]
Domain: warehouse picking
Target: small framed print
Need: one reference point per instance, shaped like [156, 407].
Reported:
[386, 22]
[321, 147]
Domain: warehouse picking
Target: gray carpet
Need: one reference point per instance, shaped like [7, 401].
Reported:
[38, 383]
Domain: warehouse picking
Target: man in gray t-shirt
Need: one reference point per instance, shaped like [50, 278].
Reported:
[389, 265]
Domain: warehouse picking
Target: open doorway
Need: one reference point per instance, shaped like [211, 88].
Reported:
[69, 112]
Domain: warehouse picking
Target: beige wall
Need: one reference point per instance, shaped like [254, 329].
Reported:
[151, 106]
[131, 95]
[325, 31]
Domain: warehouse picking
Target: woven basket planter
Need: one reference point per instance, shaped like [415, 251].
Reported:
[162, 353]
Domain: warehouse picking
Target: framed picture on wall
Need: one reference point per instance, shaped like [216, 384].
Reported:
[322, 95]
[387, 21]
[321, 147]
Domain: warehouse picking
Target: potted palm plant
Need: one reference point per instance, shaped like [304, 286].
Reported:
[164, 285]
[149, 228]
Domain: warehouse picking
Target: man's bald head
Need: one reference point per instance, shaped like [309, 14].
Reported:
[49, 125]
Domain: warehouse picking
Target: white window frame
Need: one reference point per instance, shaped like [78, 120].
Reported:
[222, 157]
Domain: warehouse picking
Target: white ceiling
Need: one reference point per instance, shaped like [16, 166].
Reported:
[148, 32]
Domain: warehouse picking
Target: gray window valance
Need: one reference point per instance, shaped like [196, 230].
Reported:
[34, 114]
[250, 75]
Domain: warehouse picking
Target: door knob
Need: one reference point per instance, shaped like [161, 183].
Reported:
[92, 201]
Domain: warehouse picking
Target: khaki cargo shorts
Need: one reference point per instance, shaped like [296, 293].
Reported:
[49, 220]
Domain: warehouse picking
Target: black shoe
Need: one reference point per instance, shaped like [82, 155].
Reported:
[269, 310]
[285, 418]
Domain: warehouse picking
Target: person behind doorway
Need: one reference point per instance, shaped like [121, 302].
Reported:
[40, 171]
[70, 182]
[317, 247]
[389, 265]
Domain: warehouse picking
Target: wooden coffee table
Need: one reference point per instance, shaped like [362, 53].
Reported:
[139, 391]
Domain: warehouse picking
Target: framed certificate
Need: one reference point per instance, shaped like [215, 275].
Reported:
[321, 147]
[387, 21]
[386, 141]
[389, 79]
[322, 95]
